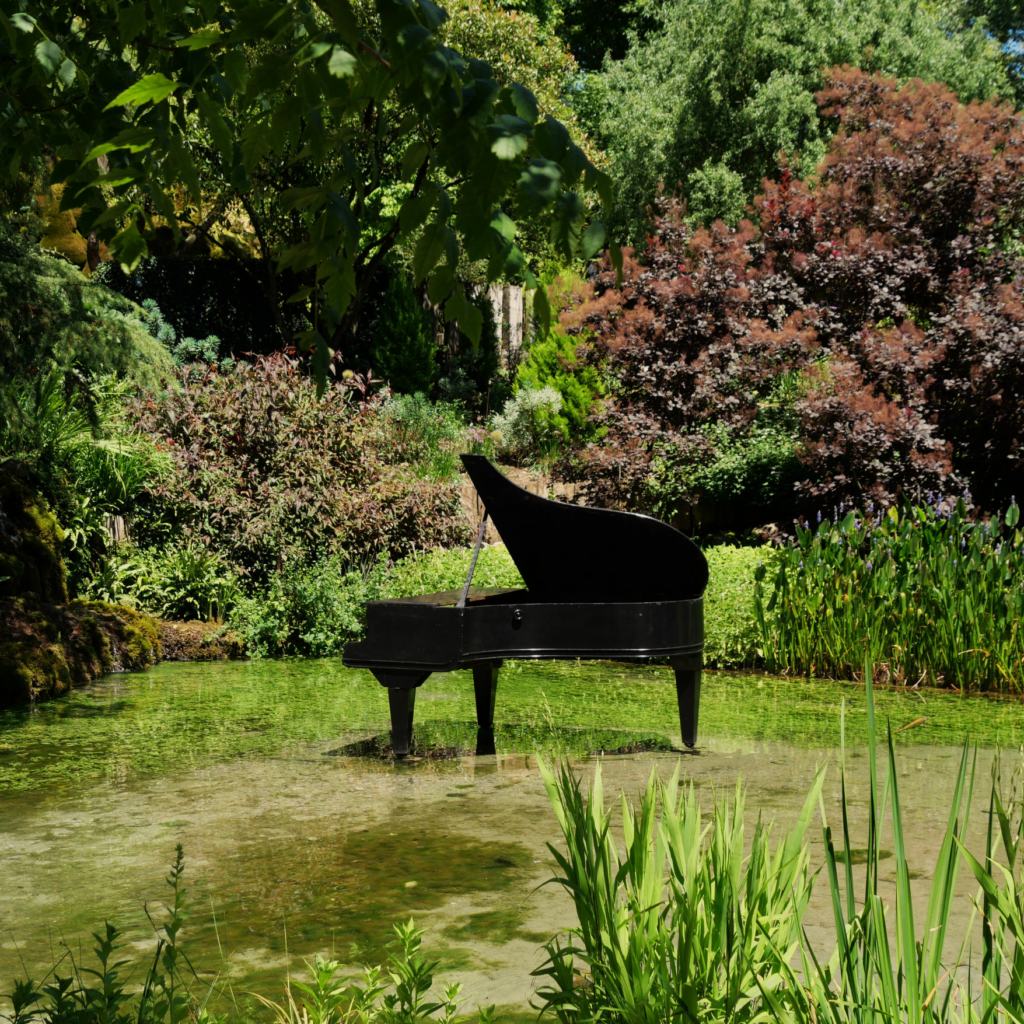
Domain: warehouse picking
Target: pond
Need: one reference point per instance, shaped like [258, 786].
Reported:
[295, 844]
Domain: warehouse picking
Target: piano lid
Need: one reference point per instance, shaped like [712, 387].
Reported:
[573, 553]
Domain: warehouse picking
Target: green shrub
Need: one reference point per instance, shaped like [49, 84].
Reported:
[182, 581]
[264, 471]
[428, 436]
[751, 475]
[446, 569]
[309, 609]
[555, 362]
[396, 336]
[732, 634]
[530, 426]
[51, 313]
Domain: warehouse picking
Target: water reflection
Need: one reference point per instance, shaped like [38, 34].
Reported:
[302, 835]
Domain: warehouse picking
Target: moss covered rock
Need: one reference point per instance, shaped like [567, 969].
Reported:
[46, 643]
[30, 541]
[199, 641]
[46, 648]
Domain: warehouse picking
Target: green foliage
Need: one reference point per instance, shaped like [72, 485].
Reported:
[171, 992]
[474, 376]
[178, 581]
[428, 436]
[530, 427]
[686, 920]
[106, 993]
[446, 569]
[204, 295]
[264, 471]
[50, 313]
[928, 594]
[251, 90]
[732, 634]
[184, 350]
[30, 540]
[343, 1000]
[310, 609]
[715, 192]
[705, 104]
[88, 463]
[752, 473]
[314, 609]
[880, 968]
[396, 337]
[554, 362]
[688, 914]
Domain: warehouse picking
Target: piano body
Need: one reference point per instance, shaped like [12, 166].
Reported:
[600, 584]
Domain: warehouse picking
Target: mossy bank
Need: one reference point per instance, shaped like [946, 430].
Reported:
[49, 643]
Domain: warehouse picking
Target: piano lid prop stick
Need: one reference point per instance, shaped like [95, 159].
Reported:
[472, 564]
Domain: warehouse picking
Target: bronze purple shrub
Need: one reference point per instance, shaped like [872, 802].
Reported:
[266, 472]
[890, 286]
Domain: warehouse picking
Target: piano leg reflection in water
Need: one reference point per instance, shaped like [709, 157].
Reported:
[402, 687]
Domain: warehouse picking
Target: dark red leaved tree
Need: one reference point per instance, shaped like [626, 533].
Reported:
[890, 287]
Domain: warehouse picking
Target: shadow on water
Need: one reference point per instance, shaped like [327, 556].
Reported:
[438, 741]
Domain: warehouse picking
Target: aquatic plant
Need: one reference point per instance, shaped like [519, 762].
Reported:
[107, 993]
[685, 925]
[334, 998]
[928, 593]
[881, 968]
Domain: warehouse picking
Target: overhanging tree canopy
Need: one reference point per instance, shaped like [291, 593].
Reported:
[115, 95]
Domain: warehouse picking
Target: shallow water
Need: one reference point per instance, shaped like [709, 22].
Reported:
[293, 846]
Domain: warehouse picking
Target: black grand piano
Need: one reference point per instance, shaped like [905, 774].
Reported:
[600, 584]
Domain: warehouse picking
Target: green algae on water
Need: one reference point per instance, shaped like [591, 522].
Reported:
[182, 717]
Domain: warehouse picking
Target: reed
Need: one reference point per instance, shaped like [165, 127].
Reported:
[684, 924]
[688, 924]
[882, 969]
[928, 594]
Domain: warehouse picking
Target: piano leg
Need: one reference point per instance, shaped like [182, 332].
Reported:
[401, 687]
[485, 685]
[688, 671]
[402, 702]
